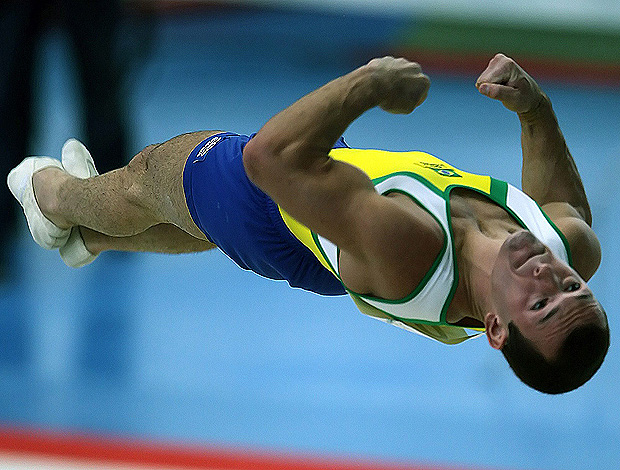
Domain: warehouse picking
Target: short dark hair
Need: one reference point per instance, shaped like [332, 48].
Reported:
[578, 359]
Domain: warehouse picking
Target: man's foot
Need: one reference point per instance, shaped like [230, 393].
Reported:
[20, 181]
[45, 184]
[77, 161]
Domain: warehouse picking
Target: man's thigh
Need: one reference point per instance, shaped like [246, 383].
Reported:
[157, 173]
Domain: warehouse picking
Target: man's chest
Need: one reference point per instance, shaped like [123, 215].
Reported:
[470, 210]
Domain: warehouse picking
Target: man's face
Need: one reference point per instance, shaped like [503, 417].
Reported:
[544, 297]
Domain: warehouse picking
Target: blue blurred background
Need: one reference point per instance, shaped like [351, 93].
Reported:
[194, 350]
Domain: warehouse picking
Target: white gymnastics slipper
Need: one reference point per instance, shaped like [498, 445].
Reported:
[19, 180]
[77, 161]
[74, 253]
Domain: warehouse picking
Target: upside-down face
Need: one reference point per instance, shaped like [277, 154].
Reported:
[543, 296]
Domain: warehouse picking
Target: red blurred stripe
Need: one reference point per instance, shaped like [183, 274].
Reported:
[158, 454]
[571, 71]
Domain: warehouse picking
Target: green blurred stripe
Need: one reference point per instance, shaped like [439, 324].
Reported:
[466, 36]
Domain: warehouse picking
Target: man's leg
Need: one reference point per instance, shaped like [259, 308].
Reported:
[128, 201]
[161, 238]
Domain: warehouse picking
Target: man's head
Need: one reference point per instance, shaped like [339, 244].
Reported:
[544, 318]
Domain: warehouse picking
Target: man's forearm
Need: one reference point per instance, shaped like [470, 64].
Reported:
[549, 171]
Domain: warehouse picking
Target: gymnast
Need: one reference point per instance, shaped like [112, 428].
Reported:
[413, 240]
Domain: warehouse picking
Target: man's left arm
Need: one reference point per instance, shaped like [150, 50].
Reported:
[549, 174]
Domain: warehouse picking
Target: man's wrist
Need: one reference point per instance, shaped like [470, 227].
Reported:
[540, 110]
[372, 83]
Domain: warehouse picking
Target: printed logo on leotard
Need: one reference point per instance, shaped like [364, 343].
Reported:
[206, 147]
[440, 169]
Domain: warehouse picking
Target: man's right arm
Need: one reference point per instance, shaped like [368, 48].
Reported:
[289, 157]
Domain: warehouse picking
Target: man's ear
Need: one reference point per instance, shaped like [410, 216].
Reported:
[496, 331]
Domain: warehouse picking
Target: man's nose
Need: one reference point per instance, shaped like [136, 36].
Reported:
[544, 271]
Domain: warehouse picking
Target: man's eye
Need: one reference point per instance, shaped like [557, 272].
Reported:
[573, 287]
[540, 304]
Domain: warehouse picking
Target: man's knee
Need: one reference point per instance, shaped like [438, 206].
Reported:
[139, 164]
[138, 180]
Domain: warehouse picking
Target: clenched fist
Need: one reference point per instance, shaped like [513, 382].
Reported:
[401, 85]
[506, 81]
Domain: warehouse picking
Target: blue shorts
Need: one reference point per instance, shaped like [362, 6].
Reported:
[243, 221]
